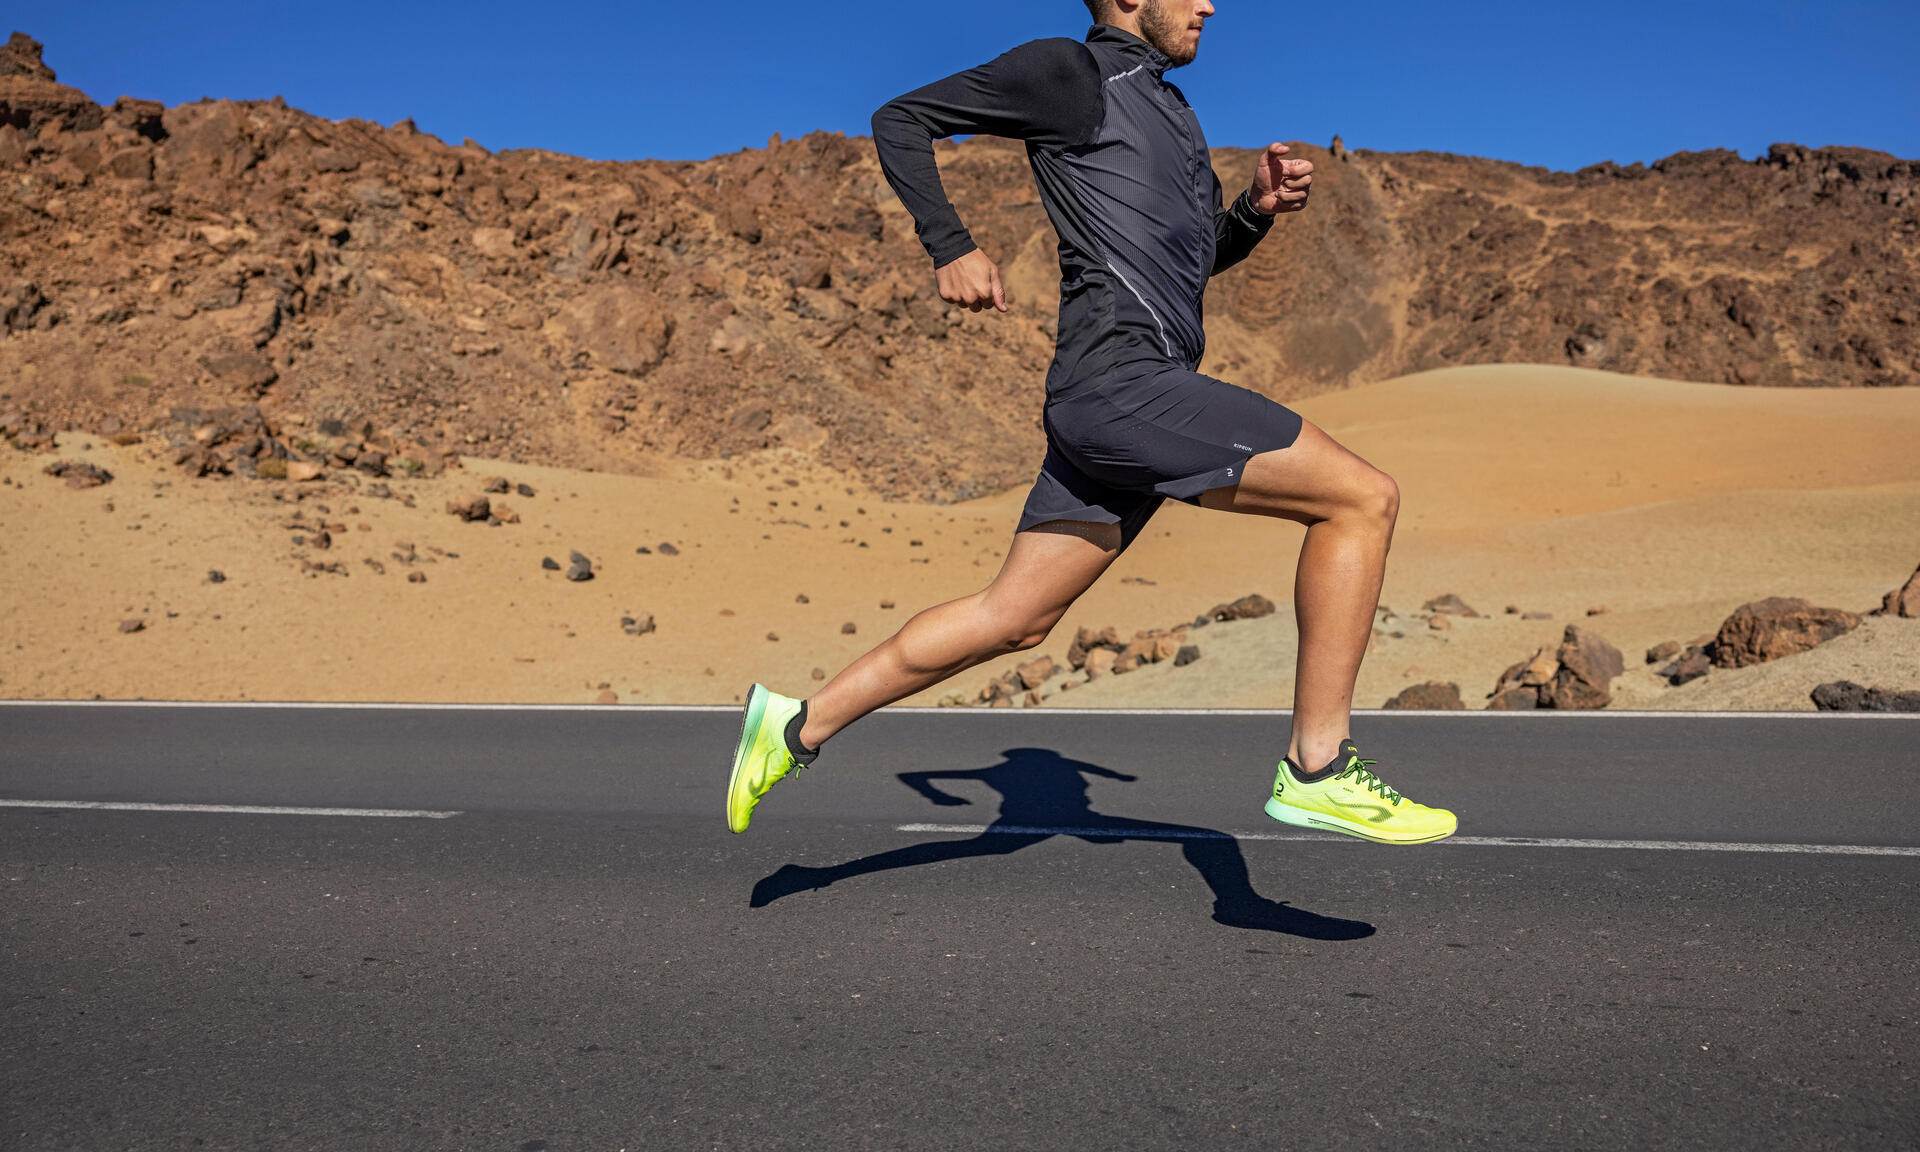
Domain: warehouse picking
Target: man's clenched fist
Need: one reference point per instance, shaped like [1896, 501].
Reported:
[973, 282]
[1279, 184]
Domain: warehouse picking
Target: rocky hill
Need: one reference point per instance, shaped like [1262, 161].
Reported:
[540, 307]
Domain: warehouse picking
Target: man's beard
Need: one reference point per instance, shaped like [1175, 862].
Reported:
[1166, 32]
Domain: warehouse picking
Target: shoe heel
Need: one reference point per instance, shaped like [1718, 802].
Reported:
[1287, 814]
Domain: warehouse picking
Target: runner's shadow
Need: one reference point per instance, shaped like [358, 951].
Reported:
[1041, 791]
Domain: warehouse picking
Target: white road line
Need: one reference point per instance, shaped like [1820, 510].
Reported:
[734, 709]
[245, 809]
[1472, 841]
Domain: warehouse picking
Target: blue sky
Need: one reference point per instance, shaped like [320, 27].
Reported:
[1542, 82]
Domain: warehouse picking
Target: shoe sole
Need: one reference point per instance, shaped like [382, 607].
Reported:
[756, 711]
[1302, 818]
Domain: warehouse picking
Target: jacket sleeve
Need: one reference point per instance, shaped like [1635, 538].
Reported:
[1236, 229]
[1046, 92]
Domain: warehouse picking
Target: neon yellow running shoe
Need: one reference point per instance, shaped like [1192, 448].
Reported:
[762, 759]
[1356, 802]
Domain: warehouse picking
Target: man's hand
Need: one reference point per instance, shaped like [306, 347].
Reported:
[973, 282]
[1279, 184]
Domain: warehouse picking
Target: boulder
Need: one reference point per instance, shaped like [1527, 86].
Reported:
[1086, 640]
[1693, 665]
[1037, 671]
[1904, 600]
[1126, 662]
[1846, 696]
[1515, 699]
[1588, 666]
[1449, 605]
[1188, 654]
[79, 473]
[473, 508]
[1777, 626]
[1666, 650]
[1246, 608]
[1432, 696]
[1100, 661]
[621, 328]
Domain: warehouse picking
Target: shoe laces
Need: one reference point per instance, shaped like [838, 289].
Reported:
[1359, 769]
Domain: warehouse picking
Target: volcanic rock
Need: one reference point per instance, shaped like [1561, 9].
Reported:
[1430, 696]
[1246, 608]
[1846, 696]
[1690, 667]
[549, 563]
[1588, 666]
[79, 473]
[1037, 671]
[1100, 661]
[667, 549]
[134, 625]
[470, 509]
[1904, 600]
[1085, 640]
[1515, 699]
[640, 626]
[1777, 626]
[1665, 650]
[1187, 654]
[579, 567]
[848, 629]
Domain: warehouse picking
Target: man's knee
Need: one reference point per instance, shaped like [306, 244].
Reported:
[1374, 495]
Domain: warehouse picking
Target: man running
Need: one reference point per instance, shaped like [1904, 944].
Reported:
[1127, 180]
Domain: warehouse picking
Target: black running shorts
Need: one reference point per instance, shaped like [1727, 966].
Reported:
[1119, 444]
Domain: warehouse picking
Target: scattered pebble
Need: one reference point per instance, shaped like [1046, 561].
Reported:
[416, 577]
[667, 549]
[215, 576]
[848, 629]
[134, 625]
[549, 563]
[802, 599]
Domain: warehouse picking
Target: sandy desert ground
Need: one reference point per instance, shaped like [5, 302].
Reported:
[1552, 490]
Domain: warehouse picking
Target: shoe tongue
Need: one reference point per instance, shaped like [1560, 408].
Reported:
[1346, 755]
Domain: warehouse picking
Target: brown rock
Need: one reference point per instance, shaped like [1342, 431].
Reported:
[1126, 662]
[298, 470]
[1032, 698]
[1515, 699]
[1246, 608]
[637, 627]
[497, 484]
[1688, 668]
[1846, 696]
[1904, 600]
[1449, 605]
[1086, 640]
[79, 473]
[607, 696]
[134, 625]
[819, 673]
[773, 637]
[1588, 666]
[1429, 697]
[470, 509]
[1665, 650]
[1777, 626]
[1597, 610]
[1440, 623]
[1037, 671]
[886, 604]
[416, 577]
[667, 549]
[1100, 662]
[848, 629]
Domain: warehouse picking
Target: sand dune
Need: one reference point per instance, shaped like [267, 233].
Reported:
[1553, 490]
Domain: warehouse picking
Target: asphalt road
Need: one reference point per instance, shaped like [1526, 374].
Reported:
[581, 956]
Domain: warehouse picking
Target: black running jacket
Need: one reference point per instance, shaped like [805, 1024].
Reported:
[1123, 170]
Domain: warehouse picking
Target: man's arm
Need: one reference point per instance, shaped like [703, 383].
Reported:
[1236, 229]
[1279, 185]
[1046, 92]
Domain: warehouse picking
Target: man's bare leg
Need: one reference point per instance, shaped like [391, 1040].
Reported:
[1046, 570]
[1349, 508]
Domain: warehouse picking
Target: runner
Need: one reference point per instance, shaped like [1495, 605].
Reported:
[1127, 180]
